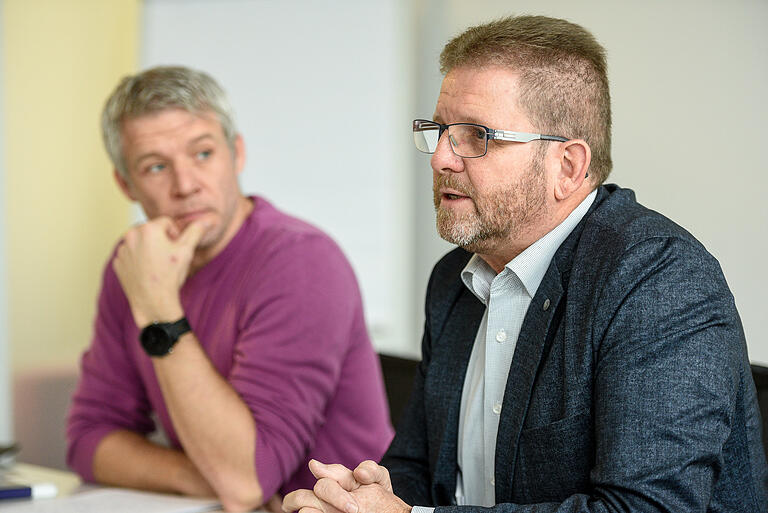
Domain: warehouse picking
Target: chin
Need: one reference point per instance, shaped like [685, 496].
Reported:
[209, 239]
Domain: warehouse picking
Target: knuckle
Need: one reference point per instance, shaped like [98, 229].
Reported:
[321, 486]
[298, 499]
[370, 466]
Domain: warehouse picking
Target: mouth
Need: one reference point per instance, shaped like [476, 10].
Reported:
[188, 217]
[451, 195]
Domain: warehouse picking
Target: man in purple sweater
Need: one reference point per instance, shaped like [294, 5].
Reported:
[240, 328]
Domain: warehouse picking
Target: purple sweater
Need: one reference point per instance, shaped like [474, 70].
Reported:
[279, 314]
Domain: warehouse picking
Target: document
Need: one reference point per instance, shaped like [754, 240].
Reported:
[112, 500]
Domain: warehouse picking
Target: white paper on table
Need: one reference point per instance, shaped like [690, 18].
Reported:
[112, 500]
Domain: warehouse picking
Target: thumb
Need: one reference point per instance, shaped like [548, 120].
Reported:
[337, 472]
[191, 235]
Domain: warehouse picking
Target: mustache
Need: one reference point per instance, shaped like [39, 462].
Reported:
[451, 182]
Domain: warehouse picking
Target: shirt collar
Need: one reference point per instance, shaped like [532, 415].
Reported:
[530, 265]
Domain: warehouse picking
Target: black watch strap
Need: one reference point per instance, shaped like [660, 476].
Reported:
[158, 338]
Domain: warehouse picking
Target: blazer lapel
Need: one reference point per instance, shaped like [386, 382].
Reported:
[536, 334]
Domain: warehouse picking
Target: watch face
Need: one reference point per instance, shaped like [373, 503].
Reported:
[155, 340]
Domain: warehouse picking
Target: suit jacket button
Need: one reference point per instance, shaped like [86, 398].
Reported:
[546, 304]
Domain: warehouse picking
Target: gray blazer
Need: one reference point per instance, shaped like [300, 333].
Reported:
[630, 387]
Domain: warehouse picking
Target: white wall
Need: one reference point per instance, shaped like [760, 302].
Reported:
[6, 432]
[688, 83]
[321, 91]
[687, 78]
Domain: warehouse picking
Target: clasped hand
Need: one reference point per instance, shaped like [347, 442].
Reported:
[367, 489]
[152, 264]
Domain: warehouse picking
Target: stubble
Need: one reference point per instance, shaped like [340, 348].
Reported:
[502, 214]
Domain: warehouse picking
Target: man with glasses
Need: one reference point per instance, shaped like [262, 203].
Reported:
[238, 328]
[581, 352]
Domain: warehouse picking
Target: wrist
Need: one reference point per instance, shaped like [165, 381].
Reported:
[168, 312]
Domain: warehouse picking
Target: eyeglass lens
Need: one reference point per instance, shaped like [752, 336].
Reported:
[466, 140]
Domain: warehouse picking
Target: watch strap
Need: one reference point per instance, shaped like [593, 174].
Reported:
[158, 338]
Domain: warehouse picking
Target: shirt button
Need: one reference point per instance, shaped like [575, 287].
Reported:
[501, 336]
[497, 408]
[493, 482]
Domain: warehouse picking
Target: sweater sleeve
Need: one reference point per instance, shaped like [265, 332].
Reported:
[302, 309]
[110, 394]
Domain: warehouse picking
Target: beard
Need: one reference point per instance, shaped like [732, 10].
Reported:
[500, 214]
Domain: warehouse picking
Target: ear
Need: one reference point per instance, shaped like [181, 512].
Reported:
[124, 185]
[239, 155]
[574, 158]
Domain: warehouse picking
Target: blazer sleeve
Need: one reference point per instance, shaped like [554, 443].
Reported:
[669, 370]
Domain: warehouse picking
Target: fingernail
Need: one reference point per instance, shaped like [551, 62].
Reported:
[351, 507]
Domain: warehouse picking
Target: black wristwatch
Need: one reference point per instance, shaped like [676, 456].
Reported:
[158, 338]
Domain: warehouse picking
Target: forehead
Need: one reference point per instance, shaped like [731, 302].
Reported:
[481, 95]
[169, 126]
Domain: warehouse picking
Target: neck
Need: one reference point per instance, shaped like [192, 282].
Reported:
[497, 254]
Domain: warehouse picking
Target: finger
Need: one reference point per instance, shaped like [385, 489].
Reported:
[164, 223]
[337, 472]
[274, 504]
[301, 499]
[172, 231]
[191, 235]
[152, 229]
[305, 501]
[331, 492]
[129, 237]
[370, 472]
[120, 256]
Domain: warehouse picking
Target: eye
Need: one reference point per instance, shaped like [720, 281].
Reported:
[203, 155]
[155, 168]
[479, 133]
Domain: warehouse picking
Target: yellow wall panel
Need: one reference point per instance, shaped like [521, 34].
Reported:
[63, 210]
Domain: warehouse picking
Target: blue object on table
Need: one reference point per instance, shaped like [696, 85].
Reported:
[20, 491]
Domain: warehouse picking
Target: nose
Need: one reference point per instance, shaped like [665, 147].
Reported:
[185, 181]
[444, 160]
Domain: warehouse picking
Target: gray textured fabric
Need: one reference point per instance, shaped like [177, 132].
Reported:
[631, 391]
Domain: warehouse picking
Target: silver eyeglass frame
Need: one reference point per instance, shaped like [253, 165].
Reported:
[490, 134]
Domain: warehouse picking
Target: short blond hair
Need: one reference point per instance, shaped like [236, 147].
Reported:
[157, 89]
[563, 76]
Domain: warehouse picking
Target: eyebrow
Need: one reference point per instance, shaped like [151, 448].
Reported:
[153, 154]
[467, 119]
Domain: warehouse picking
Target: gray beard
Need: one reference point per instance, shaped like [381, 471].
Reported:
[500, 215]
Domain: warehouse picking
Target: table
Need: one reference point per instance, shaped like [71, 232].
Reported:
[68, 484]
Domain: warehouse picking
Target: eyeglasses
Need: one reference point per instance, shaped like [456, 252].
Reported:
[468, 140]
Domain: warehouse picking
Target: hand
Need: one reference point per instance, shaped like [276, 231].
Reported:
[367, 489]
[152, 264]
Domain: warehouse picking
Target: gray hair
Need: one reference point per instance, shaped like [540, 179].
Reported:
[157, 89]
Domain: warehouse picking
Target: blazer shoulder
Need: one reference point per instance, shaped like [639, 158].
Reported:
[619, 222]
